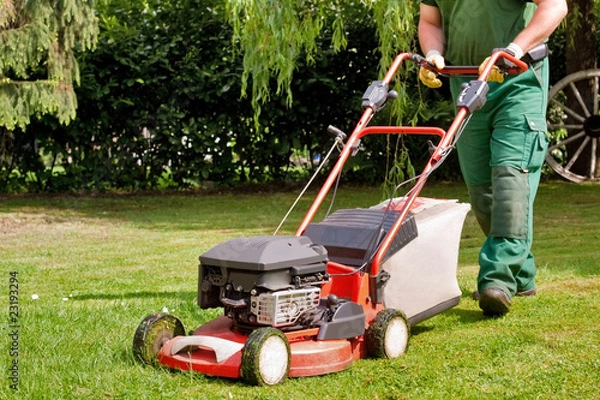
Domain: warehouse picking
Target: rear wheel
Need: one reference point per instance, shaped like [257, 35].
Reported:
[266, 357]
[152, 333]
[388, 335]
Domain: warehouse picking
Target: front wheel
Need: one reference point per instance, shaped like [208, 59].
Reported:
[266, 357]
[388, 335]
[152, 333]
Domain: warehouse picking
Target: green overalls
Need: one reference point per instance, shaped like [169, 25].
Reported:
[504, 144]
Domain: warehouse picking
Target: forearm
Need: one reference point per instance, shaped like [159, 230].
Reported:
[431, 38]
[431, 33]
[545, 20]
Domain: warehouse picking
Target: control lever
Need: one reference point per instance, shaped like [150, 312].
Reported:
[336, 133]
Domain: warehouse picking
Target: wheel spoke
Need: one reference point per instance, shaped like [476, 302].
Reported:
[579, 98]
[577, 153]
[569, 111]
[593, 158]
[567, 140]
[565, 127]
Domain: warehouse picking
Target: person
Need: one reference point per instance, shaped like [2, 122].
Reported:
[503, 146]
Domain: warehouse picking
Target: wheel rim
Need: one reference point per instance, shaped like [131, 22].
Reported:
[273, 360]
[574, 125]
[396, 338]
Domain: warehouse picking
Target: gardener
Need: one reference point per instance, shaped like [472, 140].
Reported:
[503, 146]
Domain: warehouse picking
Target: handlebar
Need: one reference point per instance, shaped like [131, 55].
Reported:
[507, 63]
[471, 99]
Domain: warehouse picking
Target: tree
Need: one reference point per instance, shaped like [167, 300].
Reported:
[159, 99]
[38, 39]
[273, 35]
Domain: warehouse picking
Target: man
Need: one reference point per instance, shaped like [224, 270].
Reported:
[503, 147]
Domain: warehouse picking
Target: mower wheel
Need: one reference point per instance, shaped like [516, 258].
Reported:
[152, 333]
[266, 357]
[388, 335]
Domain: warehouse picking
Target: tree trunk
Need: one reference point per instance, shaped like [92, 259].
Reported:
[581, 36]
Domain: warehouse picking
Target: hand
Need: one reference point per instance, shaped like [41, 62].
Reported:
[496, 75]
[429, 77]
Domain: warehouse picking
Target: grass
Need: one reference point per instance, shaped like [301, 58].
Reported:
[99, 265]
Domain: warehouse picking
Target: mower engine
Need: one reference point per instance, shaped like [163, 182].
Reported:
[264, 281]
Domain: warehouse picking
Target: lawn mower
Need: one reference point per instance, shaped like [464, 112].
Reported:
[341, 289]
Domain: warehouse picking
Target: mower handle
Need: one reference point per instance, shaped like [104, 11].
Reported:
[469, 101]
[507, 63]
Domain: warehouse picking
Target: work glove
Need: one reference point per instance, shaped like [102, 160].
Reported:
[496, 75]
[429, 77]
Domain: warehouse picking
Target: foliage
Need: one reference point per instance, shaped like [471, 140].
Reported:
[37, 63]
[159, 105]
[38, 68]
[274, 35]
[155, 95]
[181, 94]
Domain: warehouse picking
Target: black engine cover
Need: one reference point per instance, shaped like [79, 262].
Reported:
[259, 262]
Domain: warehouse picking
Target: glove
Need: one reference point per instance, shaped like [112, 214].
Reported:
[429, 77]
[496, 75]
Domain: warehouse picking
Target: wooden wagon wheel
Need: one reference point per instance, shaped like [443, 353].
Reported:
[574, 126]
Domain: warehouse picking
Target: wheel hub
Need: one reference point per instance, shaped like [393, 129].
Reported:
[592, 126]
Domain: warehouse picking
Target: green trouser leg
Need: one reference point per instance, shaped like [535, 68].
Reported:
[501, 153]
[505, 260]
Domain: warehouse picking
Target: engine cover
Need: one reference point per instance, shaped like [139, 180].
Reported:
[264, 280]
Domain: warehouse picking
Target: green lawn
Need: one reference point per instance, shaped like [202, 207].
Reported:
[90, 268]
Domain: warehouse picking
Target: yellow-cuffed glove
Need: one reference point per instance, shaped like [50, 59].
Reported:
[429, 77]
[495, 74]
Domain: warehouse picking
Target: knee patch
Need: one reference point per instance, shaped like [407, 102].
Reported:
[510, 206]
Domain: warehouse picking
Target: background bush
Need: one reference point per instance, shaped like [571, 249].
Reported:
[160, 107]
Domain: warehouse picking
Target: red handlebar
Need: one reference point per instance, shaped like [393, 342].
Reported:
[516, 66]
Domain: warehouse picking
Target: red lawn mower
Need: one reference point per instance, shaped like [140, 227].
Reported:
[347, 287]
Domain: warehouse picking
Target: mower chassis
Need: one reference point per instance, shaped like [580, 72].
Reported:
[308, 356]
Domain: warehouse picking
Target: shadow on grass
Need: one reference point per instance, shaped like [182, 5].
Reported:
[462, 316]
[193, 211]
[164, 211]
[466, 316]
[126, 357]
[136, 295]
[419, 329]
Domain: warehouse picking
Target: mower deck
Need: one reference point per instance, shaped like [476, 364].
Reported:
[308, 357]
